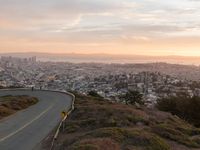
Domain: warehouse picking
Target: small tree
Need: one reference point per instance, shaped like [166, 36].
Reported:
[183, 106]
[133, 97]
[94, 94]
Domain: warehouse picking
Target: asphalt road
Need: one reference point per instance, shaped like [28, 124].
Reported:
[27, 128]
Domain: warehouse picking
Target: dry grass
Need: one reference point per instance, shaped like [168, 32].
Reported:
[97, 124]
[95, 144]
[11, 104]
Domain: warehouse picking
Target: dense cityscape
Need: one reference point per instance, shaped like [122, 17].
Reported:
[108, 80]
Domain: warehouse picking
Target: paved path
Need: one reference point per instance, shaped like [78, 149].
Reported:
[27, 128]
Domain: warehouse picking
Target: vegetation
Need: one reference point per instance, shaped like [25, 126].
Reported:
[94, 94]
[102, 125]
[10, 87]
[133, 97]
[184, 106]
[11, 104]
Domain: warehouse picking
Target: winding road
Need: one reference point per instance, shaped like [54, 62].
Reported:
[27, 128]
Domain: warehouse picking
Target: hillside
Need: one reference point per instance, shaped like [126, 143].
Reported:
[11, 104]
[97, 124]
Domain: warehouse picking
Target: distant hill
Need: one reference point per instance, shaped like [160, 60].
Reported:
[97, 124]
[108, 58]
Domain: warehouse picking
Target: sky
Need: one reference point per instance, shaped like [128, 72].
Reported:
[136, 27]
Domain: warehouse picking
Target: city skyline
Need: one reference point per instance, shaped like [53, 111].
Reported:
[128, 27]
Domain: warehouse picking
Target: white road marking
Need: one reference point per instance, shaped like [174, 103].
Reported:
[27, 124]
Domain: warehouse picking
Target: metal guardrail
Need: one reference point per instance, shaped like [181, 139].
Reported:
[63, 120]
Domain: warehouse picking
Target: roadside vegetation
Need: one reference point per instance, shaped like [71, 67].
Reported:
[11, 87]
[97, 124]
[11, 104]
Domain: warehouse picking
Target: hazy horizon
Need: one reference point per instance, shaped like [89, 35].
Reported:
[108, 58]
[122, 27]
[93, 53]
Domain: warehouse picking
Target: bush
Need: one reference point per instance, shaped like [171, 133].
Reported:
[184, 107]
[94, 94]
[132, 97]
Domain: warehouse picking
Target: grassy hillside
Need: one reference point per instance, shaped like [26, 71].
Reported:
[101, 125]
[11, 104]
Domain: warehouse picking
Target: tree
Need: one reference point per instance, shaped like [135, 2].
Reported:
[183, 106]
[133, 97]
[94, 94]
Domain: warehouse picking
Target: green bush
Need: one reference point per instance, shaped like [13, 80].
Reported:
[94, 94]
[185, 107]
[132, 97]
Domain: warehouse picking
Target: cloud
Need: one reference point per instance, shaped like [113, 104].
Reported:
[98, 21]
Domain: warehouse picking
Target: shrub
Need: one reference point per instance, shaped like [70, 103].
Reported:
[132, 97]
[185, 107]
[94, 94]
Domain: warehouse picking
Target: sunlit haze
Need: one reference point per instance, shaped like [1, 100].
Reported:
[136, 27]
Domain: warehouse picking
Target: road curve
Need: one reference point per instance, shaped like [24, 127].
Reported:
[27, 128]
